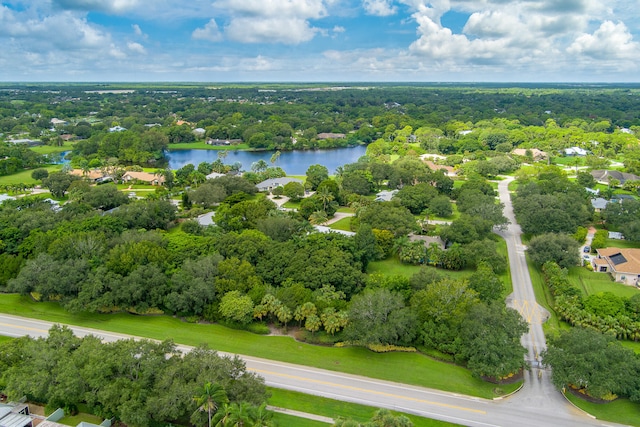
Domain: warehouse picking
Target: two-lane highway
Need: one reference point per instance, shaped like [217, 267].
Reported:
[464, 410]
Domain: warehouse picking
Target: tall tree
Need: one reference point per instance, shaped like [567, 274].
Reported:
[210, 398]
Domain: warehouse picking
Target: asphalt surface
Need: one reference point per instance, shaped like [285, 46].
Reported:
[537, 404]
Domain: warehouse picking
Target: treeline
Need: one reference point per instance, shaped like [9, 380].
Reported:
[17, 157]
[138, 383]
[604, 312]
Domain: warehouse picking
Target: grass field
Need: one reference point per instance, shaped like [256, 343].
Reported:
[343, 224]
[285, 420]
[74, 420]
[355, 360]
[24, 177]
[591, 283]
[619, 411]
[204, 146]
[50, 149]
[393, 267]
[4, 339]
[334, 408]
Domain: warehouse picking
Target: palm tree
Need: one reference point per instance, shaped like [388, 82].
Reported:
[211, 397]
[318, 217]
[325, 196]
[261, 417]
[235, 415]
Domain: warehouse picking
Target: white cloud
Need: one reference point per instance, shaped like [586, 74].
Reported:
[286, 30]
[607, 42]
[209, 32]
[379, 7]
[271, 21]
[136, 48]
[109, 6]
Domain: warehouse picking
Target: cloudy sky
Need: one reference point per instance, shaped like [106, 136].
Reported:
[320, 40]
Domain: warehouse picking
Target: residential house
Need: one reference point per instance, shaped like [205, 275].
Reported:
[149, 178]
[212, 141]
[15, 415]
[117, 129]
[603, 176]
[616, 235]
[214, 175]
[199, 132]
[329, 135]
[448, 170]
[427, 240]
[58, 122]
[93, 175]
[575, 151]
[272, 183]
[599, 204]
[622, 263]
[385, 196]
[536, 154]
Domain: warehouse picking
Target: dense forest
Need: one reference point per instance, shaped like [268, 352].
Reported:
[103, 251]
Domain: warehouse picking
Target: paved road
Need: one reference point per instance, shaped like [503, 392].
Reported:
[531, 408]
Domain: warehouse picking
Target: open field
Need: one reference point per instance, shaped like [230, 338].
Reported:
[51, 149]
[24, 177]
[335, 408]
[424, 371]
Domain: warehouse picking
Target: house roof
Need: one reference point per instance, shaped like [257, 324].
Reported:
[329, 135]
[93, 174]
[385, 196]
[602, 175]
[599, 203]
[143, 176]
[214, 175]
[276, 182]
[622, 260]
[576, 151]
[448, 169]
[535, 153]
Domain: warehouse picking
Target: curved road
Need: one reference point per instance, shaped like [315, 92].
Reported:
[536, 404]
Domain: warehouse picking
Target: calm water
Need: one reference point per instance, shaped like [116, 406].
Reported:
[293, 162]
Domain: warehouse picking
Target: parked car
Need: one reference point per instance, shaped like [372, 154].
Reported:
[586, 249]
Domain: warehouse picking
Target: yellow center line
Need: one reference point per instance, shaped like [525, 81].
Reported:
[379, 393]
[309, 380]
[26, 328]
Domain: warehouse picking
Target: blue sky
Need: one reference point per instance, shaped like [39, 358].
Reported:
[320, 40]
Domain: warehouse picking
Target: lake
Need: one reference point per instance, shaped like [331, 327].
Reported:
[292, 162]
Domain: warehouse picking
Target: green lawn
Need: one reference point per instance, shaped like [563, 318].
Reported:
[4, 339]
[334, 408]
[393, 267]
[74, 420]
[292, 205]
[343, 224]
[619, 411]
[285, 420]
[355, 360]
[625, 244]
[24, 177]
[50, 149]
[201, 145]
[591, 283]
